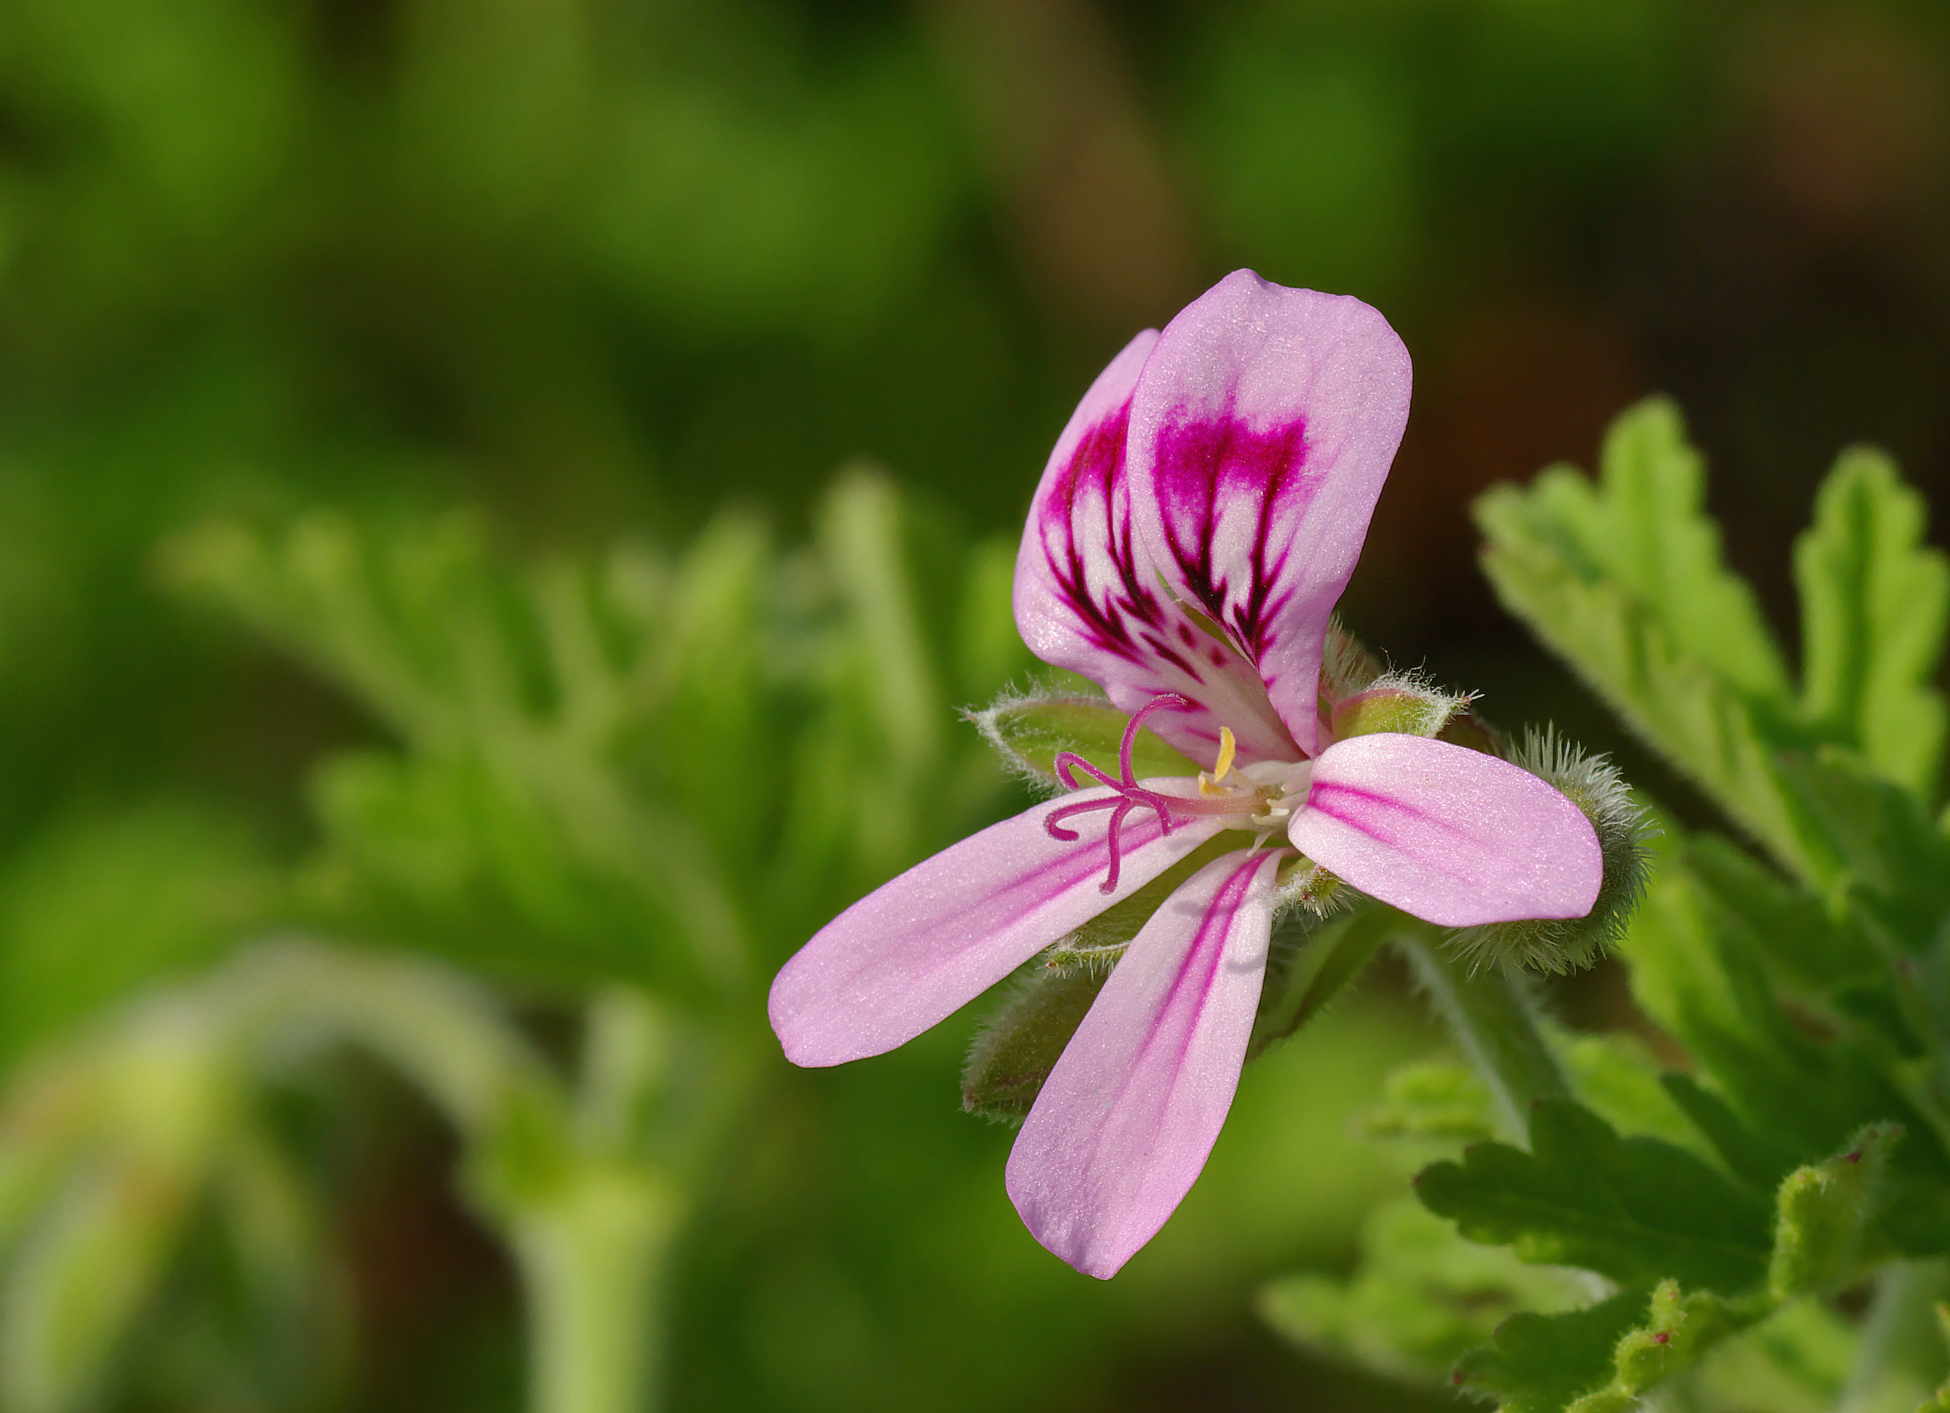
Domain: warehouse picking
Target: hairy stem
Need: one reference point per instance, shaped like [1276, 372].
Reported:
[1494, 1023]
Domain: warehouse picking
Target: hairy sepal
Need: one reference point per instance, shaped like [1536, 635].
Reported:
[1031, 730]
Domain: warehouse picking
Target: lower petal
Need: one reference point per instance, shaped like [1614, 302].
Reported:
[1451, 835]
[1129, 1114]
[913, 952]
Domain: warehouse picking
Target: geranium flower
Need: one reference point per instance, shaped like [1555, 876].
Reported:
[1197, 522]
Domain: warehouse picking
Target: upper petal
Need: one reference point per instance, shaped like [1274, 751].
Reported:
[1088, 598]
[1260, 434]
[1129, 1114]
[913, 952]
[1451, 835]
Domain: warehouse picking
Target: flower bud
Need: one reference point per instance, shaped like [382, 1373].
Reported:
[1594, 785]
[1397, 701]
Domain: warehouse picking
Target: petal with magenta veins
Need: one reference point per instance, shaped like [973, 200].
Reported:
[1260, 434]
[916, 950]
[1087, 598]
[1451, 835]
[1130, 1112]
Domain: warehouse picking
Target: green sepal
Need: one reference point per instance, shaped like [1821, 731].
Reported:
[1018, 1045]
[1825, 1227]
[1019, 1042]
[1030, 732]
[1634, 1209]
[1312, 961]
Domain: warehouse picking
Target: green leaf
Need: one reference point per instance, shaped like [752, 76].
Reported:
[1032, 731]
[1635, 1210]
[1680, 1327]
[1699, 970]
[1540, 1363]
[1874, 604]
[1825, 1225]
[1759, 1160]
[1803, 938]
[1642, 527]
[1421, 1296]
[1616, 1077]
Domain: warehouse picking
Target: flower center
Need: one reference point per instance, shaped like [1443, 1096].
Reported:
[1260, 796]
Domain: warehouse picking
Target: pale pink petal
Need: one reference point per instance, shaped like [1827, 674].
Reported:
[1087, 598]
[1129, 1114]
[1451, 835]
[1261, 431]
[916, 950]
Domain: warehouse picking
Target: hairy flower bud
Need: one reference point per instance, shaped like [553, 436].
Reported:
[1398, 701]
[1594, 784]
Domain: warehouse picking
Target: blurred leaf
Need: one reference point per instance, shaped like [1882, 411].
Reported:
[1874, 605]
[1434, 1099]
[1421, 1296]
[103, 906]
[1699, 970]
[1636, 1210]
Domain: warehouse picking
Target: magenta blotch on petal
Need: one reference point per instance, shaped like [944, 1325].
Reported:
[1451, 835]
[913, 952]
[1088, 598]
[1261, 431]
[1129, 1114]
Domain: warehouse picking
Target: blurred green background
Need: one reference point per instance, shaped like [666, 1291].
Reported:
[592, 272]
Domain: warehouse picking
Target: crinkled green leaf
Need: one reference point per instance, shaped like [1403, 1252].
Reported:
[1540, 1363]
[1874, 604]
[1643, 528]
[1757, 1159]
[1635, 1209]
[1421, 1296]
[1698, 968]
[1823, 1218]
[1032, 731]
[1616, 1077]
[1826, 1216]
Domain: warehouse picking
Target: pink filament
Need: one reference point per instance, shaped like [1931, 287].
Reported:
[1130, 795]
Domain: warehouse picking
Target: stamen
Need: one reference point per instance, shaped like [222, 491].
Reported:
[1228, 748]
[1130, 795]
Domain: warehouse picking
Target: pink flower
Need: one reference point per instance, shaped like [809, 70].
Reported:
[1197, 522]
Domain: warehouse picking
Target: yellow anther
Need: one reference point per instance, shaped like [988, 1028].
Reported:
[1208, 784]
[1228, 748]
